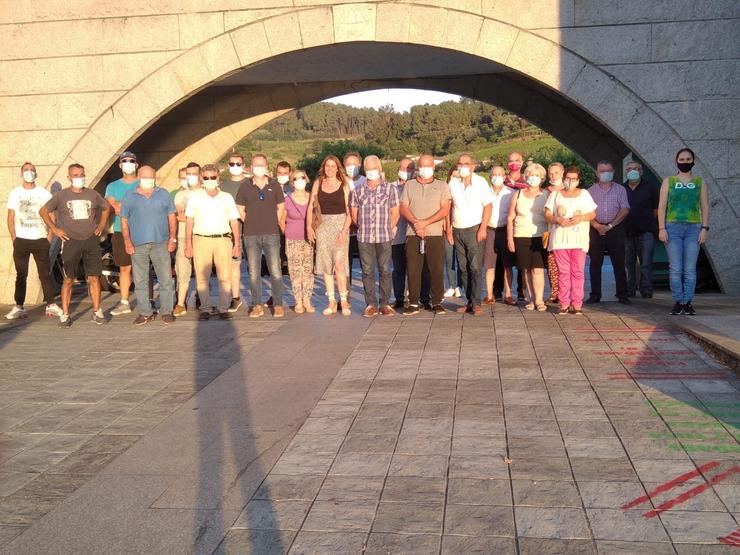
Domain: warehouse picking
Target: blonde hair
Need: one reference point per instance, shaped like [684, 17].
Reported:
[536, 169]
[297, 173]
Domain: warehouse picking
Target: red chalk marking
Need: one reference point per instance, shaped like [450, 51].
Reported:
[731, 539]
[666, 376]
[693, 492]
[671, 484]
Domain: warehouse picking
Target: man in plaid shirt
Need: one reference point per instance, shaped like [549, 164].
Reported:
[374, 206]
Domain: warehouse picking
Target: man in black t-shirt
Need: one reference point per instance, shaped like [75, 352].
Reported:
[237, 178]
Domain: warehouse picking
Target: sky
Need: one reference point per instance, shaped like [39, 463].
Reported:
[401, 99]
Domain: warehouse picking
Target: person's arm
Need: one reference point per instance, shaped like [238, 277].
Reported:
[50, 223]
[11, 223]
[353, 213]
[510, 221]
[619, 218]
[114, 204]
[395, 215]
[128, 245]
[662, 204]
[189, 237]
[172, 224]
[282, 214]
[236, 249]
[483, 227]
[704, 201]
[105, 212]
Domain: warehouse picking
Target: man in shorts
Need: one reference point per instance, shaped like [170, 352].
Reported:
[81, 215]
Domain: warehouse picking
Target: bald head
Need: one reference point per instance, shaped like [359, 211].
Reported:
[147, 172]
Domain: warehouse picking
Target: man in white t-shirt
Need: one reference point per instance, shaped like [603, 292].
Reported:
[30, 237]
[212, 239]
[472, 202]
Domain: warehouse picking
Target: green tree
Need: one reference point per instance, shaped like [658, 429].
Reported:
[311, 161]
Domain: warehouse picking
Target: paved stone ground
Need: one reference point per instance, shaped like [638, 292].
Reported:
[516, 432]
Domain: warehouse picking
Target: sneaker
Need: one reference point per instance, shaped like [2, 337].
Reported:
[15, 313]
[399, 304]
[204, 315]
[624, 300]
[688, 310]
[677, 309]
[458, 293]
[235, 304]
[141, 319]
[256, 311]
[427, 306]
[122, 307]
[438, 309]
[370, 312]
[168, 319]
[225, 315]
[65, 321]
[180, 310]
[278, 312]
[53, 309]
[576, 311]
[387, 310]
[99, 318]
[411, 310]
[450, 292]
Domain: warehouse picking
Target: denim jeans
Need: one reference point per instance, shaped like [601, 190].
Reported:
[683, 250]
[399, 271]
[159, 256]
[454, 278]
[639, 247]
[372, 255]
[469, 260]
[270, 245]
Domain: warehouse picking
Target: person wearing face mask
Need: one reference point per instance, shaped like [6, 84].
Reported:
[30, 237]
[352, 165]
[683, 223]
[81, 215]
[282, 176]
[149, 229]
[114, 194]
[398, 251]
[374, 210]
[261, 204]
[515, 180]
[555, 183]
[236, 179]
[425, 203]
[525, 227]
[641, 227]
[496, 238]
[297, 246]
[453, 275]
[472, 204]
[568, 210]
[189, 182]
[212, 239]
[607, 232]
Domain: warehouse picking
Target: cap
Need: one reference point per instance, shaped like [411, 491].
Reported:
[127, 154]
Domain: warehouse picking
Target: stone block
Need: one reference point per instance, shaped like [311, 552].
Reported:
[496, 40]
[52, 75]
[129, 69]
[195, 28]
[81, 110]
[615, 12]
[220, 57]
[531, 14]
[428, 25]
[21, 113]
[317, 26]
[463, 30]
[237, 18]
[354, 22]
[605, 45]
[47, 147]
[283, 33]
[695, 40]
[250, 43]
[702, 119]
[393, 22]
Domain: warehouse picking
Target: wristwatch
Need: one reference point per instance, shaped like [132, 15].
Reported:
[705, 227]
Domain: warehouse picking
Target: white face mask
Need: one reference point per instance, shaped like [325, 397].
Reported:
[352, 171]
[372, 175]
[236, 170]
[146, 183]
[299, 184]
[259, 171]
[569, 185]
[128, 168]
[283, 179]
[497, 180]
[29, 176]
[402, 175]
[192, 180]
[534, 181]
[210, 184]
[78, 182]
[464, 171]
[183, 183]
[556, 182]
[426, 172]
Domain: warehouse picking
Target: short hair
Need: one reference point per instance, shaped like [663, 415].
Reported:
[284, 164]
[193, 165]
[686, 149]
[556, 164]
[181, 170]
[259, 155]
[353, 153]
[535, 168]
[75, 165]
[237, 155]
[472, 160]
[605, 163]
[297, 172]
[27, 164]
[517, 153]
[372, 157]
[210, 168]
[573, 169]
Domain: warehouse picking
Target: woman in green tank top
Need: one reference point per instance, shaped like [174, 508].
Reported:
[683, 222]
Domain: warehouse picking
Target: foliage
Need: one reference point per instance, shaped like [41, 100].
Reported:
[311, 161]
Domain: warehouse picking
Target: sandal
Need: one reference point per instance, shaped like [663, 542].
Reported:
[332, 308]
[346, 307]
[541, 307]
[489, 300]
[511, 301]
[529, 306]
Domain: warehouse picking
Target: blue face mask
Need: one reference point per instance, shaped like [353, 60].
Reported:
[606, 177]
[534, 181]
[633, 175]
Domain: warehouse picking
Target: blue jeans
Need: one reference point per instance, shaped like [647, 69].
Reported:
[372, 255]
[683, 250]
[454, 279]
[159, 256]
[639, 247]
[469, 261]
[270, 245]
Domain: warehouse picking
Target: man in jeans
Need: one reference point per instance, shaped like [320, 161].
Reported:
[398, 254]
[81, 215]
[472, 202]
[149, 228]
[374, 209]
[641, 227]
[30, 238]
[425, 204]
[261, 205]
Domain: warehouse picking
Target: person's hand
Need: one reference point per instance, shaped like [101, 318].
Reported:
[188, 251]
[129, 246]
[419, 226]
[450, 238]
[576, 219]
[511, 245]
[343, 238]
[663, 235]
[172, 245]
[481, 235]
[563, 222]
[99, 230]
[117, 209]
[59, 232]
[236, 251]
[602, 229]
[394, 230]
[311, 235]
[702, 236]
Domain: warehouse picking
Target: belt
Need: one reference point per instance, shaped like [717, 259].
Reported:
[501, 228]
[216, 236]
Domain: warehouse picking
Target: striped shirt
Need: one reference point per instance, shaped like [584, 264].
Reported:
[608, 201]
[374, 211]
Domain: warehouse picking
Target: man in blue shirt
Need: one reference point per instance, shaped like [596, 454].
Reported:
[149, 229]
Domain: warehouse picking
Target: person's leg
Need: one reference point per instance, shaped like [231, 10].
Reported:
[236, 277]
[367, 263]
[562, 259]
[449, 268]
[295, 270]
[435, 261]
[222, 260]
[140, 267]
[160, 257]
[674, 249]
[647, 248]
[71, 256]
[383, 254]
[307, 276]
[552, 274]
[489, 263]
[425, 285]
[254, 266]
[538, 282]
[596, 256]
[93, 261]
[183, 270]
[520, 282]
[203, 265]
[577, 261]
[475, 262]
[414, 265]
[631, 248]
[498, 278]
[462, 262]
[399, 272]
[41, 257]
[67, 293]
[529, 285]
[615, 244]
[21, 254]
[271, 246]
[691, 249]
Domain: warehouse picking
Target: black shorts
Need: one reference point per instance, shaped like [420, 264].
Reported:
[120, 256]
[497, 242]
[86, 250]
[530, 253]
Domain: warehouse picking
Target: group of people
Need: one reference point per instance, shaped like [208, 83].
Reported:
[409, 233]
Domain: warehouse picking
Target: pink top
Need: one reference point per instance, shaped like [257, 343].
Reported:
[295, 222]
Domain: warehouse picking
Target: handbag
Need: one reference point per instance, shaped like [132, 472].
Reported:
[316, 211]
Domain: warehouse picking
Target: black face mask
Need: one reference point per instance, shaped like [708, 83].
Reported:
[685, 167]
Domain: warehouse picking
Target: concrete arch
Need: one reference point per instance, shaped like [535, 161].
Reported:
[538, 57]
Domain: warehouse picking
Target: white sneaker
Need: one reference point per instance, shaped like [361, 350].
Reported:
[458, 293]
[122, 307]
[54, 310]
[450, 292]
[15, 313]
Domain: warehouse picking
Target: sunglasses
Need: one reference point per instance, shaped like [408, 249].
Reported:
[232, 164]
[210, 178]
[128, 160]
